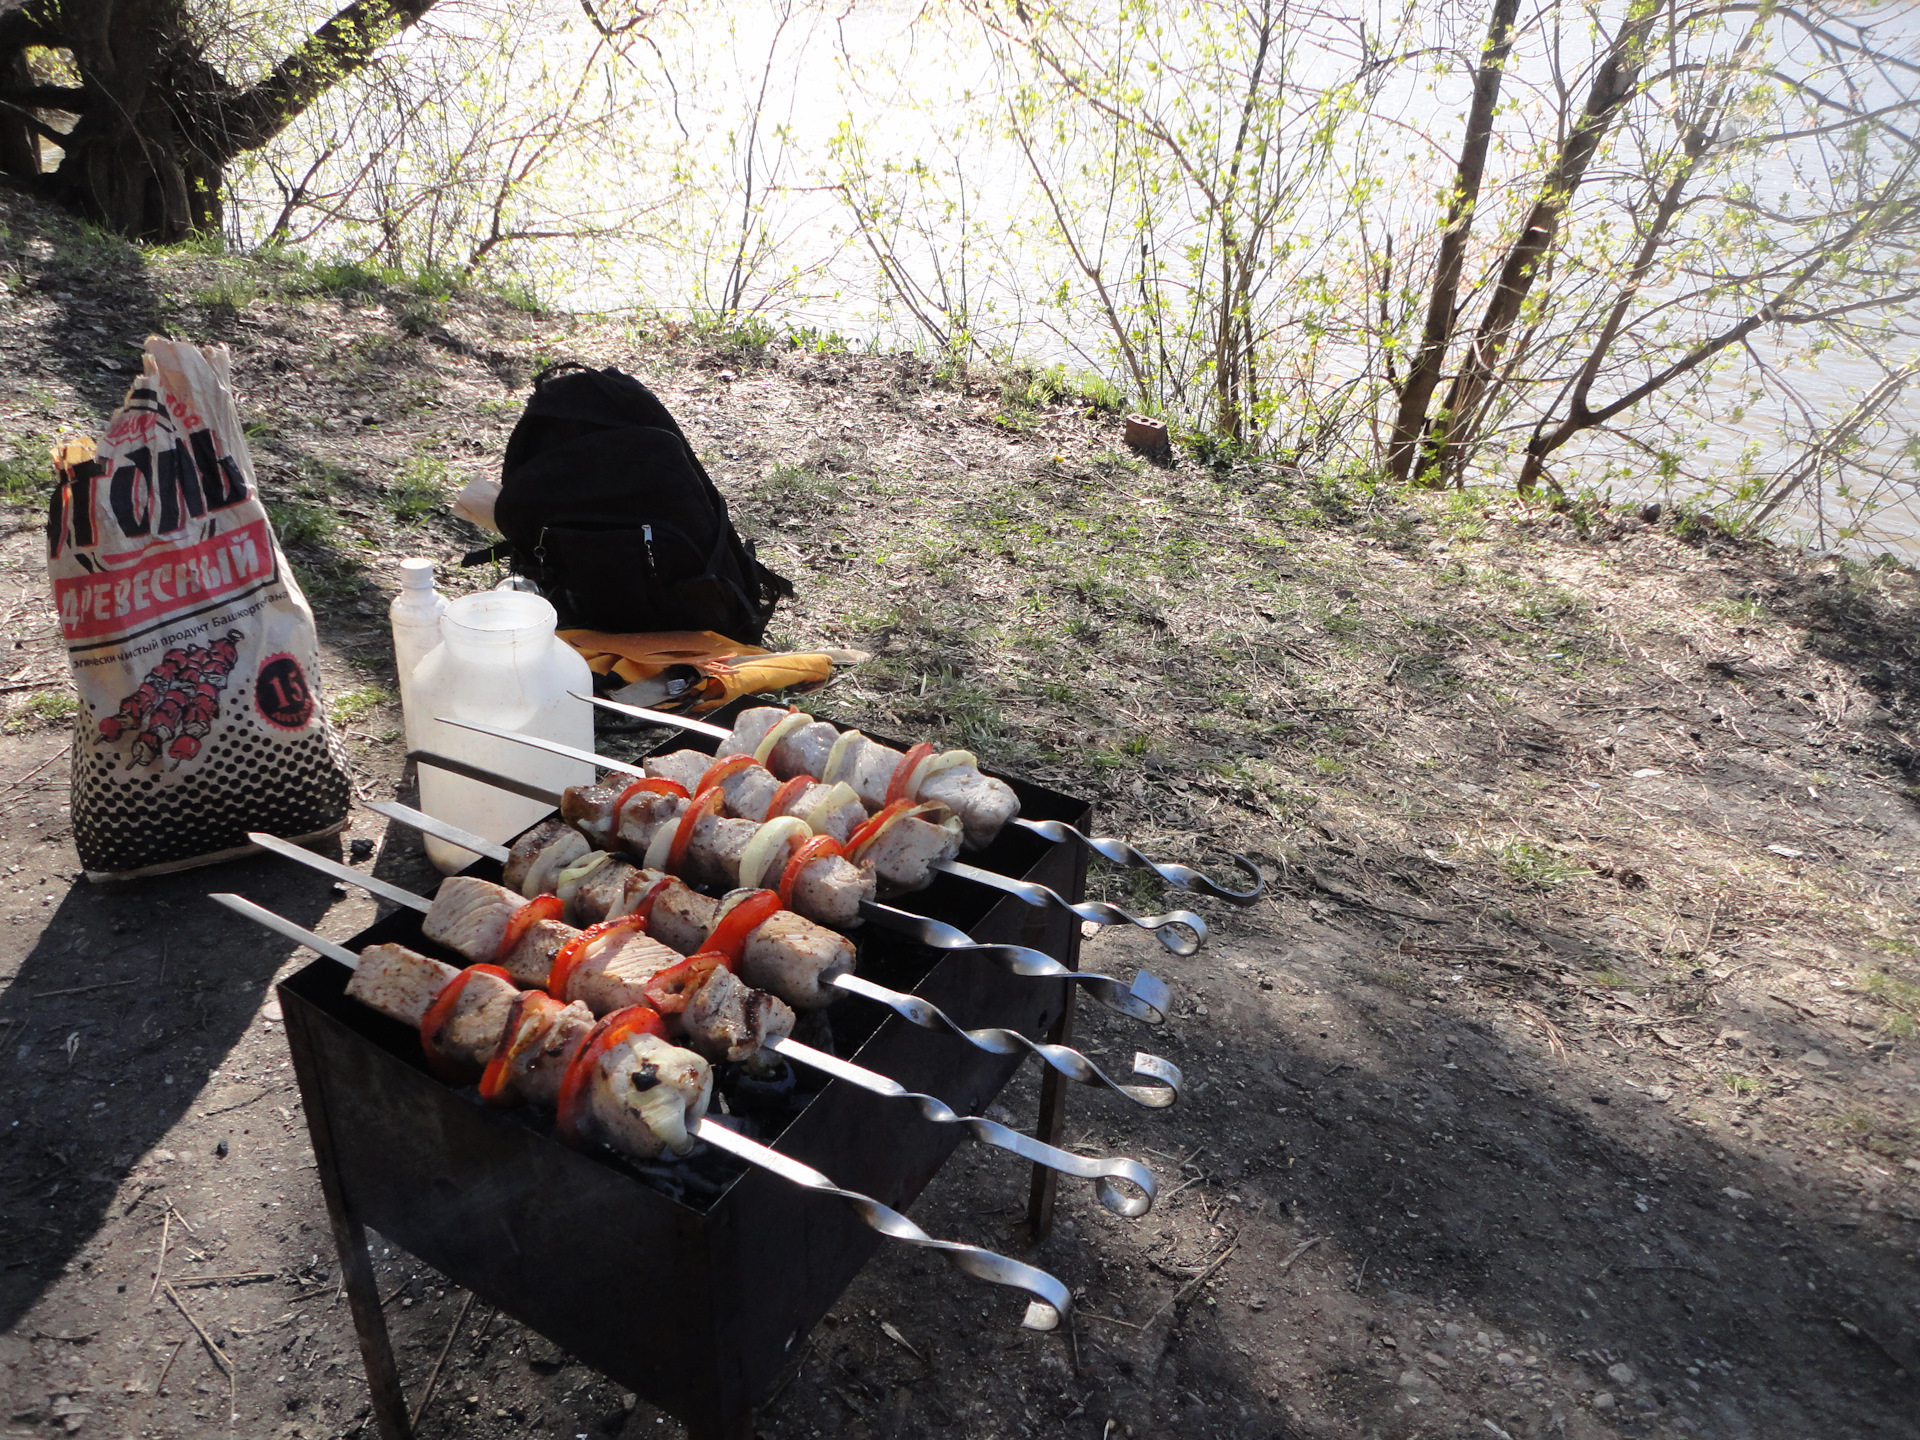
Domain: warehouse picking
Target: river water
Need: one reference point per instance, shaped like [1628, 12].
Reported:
[740, 125]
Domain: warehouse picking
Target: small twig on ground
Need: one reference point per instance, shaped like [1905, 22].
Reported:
[433, 1377]
[238, 1104]
[182, 1219]
[166, 1234]
[1294, 1254]
[167, 1369]
[21, 780]
[1200, 1279]
[1793, 1004]
[83, 989]
[1534, 1017]
[243, 1275]
[213, 1349]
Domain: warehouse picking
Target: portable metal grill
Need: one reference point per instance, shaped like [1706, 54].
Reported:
[568, 1242]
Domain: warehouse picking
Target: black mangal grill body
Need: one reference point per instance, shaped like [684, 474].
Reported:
[585, 1250]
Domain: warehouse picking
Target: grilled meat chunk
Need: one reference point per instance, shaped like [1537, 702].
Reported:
[538, 857]
[545, 1036]
[790, 956]
[726, 1019]
[615, 970]
[398, 982]
[473, 1027]
[470, 916]
[531, 959]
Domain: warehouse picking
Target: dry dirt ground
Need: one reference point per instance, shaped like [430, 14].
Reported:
[1565, 1085]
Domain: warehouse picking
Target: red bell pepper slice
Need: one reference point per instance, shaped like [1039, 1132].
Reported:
[575, 950]
[707, 802]
[541, 907]
[527, 1022]
[729, 935]
[668, 990]
[875, 824]
[725, 768]
[646, 784]
[786, 795]
[612, 1029]
[448, 1067]
[642, 913]
[804, 854]
[903, 772]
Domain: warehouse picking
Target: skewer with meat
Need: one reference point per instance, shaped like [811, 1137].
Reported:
[654, 820]
[903, 849]
[783, 952]
[609, 966]
[622, 1085]
[792, 743]
[619, 1079]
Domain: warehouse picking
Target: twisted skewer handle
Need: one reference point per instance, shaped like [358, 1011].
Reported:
[1181, 877]
[1146, 999]
[1108, 1176]
[1069, 1062]
[1181, 931]
[1051, 1304]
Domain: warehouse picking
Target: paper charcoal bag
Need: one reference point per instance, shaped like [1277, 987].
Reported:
[192, 647]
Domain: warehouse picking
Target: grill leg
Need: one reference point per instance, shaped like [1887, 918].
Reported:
[350, 1239]
[369, 1322]
[1050, 1128]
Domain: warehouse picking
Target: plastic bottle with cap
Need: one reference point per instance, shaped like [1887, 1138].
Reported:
[415, 613]
[500, 662]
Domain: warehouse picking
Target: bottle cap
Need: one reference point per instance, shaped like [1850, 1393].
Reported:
[416, 574]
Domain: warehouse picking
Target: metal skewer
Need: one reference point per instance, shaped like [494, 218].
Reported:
[994, 1040]
[1052, 1303]
[1104, 1173]
[1181, 877]
[1181, 931]
[1146, 999]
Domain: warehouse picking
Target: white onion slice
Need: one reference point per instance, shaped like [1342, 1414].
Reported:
[830, 772]
[568, 881]
[945, 760]
[838, 794]
[769, 840]
[782, 728]
[660, 844]
[664, 1109]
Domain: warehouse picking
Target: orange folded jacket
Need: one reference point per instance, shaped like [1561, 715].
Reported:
[717, 669]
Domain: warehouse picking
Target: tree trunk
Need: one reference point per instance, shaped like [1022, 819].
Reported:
[1410, 417]
[1444, 453]
[157, 125]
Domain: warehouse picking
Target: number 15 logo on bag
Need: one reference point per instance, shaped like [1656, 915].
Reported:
[281, 694]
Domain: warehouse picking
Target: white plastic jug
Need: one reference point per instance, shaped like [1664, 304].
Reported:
[415, 613]
[498, 661]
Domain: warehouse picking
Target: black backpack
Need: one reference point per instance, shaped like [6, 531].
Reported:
[606, 508]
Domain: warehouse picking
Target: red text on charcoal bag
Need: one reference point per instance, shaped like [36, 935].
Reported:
[164, 579]
[282, 695]
[154, 490]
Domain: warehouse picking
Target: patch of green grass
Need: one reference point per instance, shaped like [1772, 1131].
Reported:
[230, 294]
[1745, 608]
[300, 525]
[26, 473]
[1527, 862]
[1900, 997]
[419, 488]
[1741, 1085]
[358, 702]
[799, 488]
[43, 709]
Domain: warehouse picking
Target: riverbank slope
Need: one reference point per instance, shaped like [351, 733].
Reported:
[1564, 1085]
